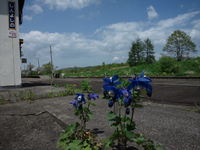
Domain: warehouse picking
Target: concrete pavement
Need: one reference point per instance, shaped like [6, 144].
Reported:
[37, 125]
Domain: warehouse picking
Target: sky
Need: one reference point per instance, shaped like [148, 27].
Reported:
[89, 32]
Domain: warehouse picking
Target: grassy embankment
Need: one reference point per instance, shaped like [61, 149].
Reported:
[163, 67]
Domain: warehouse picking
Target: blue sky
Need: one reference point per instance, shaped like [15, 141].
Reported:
[89, 32]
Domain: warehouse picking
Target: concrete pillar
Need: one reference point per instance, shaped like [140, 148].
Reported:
[10, 72]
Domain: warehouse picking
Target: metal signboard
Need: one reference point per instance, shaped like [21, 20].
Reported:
[12, 33]
[11, 15]
[24, 60]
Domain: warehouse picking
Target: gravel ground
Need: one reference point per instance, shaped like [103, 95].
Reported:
[176, 91]
[36, 126]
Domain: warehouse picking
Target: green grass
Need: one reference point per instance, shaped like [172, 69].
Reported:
[190, 67]
[195, 109]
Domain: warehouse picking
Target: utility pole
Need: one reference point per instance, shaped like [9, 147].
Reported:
[38, 66]
[51, 65]
[38, 63]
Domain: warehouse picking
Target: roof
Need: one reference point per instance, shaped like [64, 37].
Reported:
[21, 5]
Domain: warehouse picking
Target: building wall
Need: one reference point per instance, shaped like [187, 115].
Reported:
[10, 72]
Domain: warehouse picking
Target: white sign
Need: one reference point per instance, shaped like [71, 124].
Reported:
[12, 33]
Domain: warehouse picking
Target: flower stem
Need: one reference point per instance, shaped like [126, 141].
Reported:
[132, 113]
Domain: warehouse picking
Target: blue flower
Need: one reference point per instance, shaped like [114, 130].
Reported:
[113, 92]
[75, 103]
[110, 90]
[127, 111]
[127, 101]
[112, 81]
[125, 92]
[141, 81]
[93, 96]
[78, 100]
[126, 97]
[110, 103]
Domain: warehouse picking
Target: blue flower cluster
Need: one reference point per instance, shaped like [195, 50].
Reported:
[141, 82]
[114, 93]
[93, 96]
[80, 99]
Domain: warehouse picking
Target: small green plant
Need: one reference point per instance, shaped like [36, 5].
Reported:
[3, 100]
[27, 95]
[56, 85]
[85, 86]
[76, 136]
[195, 109]
[57, 94]
[71, 89]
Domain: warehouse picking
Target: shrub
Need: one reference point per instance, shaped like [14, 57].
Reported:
[168, 65]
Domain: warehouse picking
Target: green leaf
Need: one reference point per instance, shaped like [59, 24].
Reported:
[71, 128]
[125, 119]
[77, 112]
[75, 145]
[137, 106]
[85, 109]
[90, 116]
[130, 126]
[107, 142]
[93, 104]
[115, 124]
[129, 134]
[139, 140]
[88, 148]
[111, 115]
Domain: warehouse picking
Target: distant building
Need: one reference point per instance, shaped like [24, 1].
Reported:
[10, 61]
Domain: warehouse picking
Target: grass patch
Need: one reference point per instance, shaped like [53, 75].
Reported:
[164, 67]
[196, 109]
[3, 102]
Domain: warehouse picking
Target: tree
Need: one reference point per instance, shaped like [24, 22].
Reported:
[149, 51]
[179, 44]
[47, 68]
[136, 54]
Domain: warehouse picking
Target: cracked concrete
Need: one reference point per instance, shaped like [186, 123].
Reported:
[37, 125]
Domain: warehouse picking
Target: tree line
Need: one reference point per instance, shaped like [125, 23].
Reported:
[179, 45]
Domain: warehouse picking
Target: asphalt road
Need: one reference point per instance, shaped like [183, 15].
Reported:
[36, 126]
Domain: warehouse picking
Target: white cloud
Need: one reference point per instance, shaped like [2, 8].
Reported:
[177, 21]
[151, 12]
[65, 4]
[196, 24]
[195, 32]
[113, 42]
[68, 48]
[115, 58]
[36, 9]
[27, 18]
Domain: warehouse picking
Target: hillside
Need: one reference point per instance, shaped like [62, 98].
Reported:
[163, 67]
